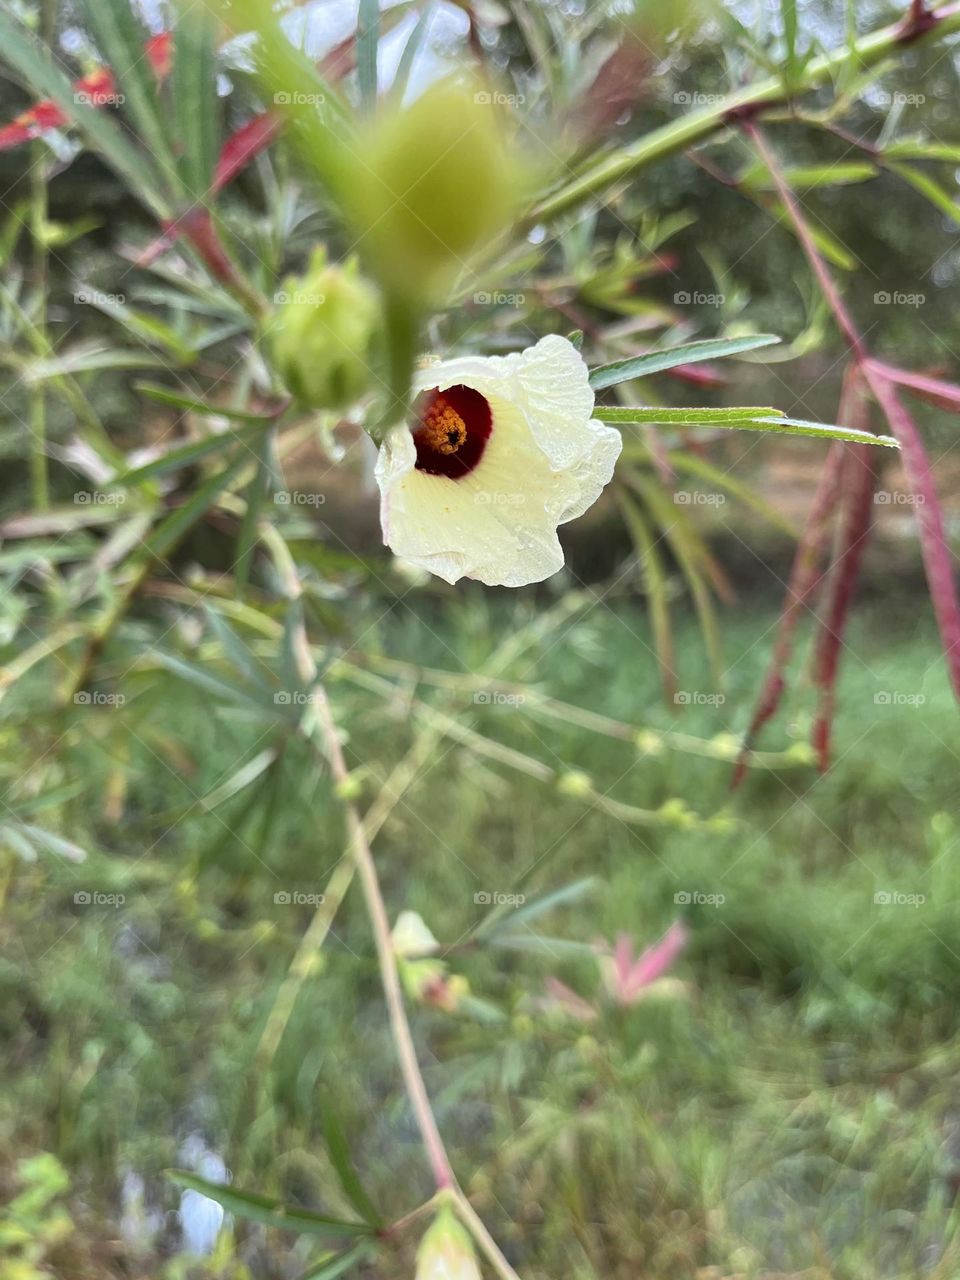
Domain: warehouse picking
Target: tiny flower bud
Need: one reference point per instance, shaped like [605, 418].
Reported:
[575, 783]
[322, 335]
[446, 1251]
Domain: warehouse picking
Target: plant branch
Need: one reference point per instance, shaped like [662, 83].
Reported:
[695, 126]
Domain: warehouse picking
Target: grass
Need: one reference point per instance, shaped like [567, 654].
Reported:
[790, 1111]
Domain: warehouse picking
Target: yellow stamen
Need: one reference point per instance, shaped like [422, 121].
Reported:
[443, 429]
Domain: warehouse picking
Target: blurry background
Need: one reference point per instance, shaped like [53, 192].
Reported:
[786, 1104]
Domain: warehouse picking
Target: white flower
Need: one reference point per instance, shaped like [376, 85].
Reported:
[504, 450]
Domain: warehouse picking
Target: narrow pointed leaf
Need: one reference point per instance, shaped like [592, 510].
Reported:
[269, 1212]
[608, 375]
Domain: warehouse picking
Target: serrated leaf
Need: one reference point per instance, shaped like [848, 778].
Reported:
[608, 375]
[618, 416]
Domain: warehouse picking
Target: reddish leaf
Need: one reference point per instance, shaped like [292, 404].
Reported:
[945, 395]
[937, 557]
[242, 145]
[859, 483]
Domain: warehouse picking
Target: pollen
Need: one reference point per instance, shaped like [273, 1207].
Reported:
[443, 429]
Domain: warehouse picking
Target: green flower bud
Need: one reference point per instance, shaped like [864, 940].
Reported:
[435, 186]
[446, 1250]
[323, 333]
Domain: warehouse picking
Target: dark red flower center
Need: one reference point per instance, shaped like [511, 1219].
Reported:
[454, 426]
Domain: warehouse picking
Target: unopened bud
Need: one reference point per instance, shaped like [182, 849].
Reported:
[446, 1251]
[323, 334]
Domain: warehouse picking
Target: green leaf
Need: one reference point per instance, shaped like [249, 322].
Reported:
[655, 582]
[333, 1267]
[608, 375]
[532, 910]
[165, 396]
[776, 425]
[693, 558]
[367, 43]
[922, 149]
[146, 328]
[171, 530]
[693, 417]
[186, 454]
[196, 109]
[410, 50]
[220, 688]
[694, 465]
[269, 1212]
[930, 190]
[809, 177]
[339, 1151]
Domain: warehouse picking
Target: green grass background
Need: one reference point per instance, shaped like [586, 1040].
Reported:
[793, 1111]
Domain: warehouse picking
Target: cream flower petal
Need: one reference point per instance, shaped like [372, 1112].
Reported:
[545, 462]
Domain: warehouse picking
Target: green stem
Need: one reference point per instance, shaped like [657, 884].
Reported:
[695, 126]
[39, 471]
